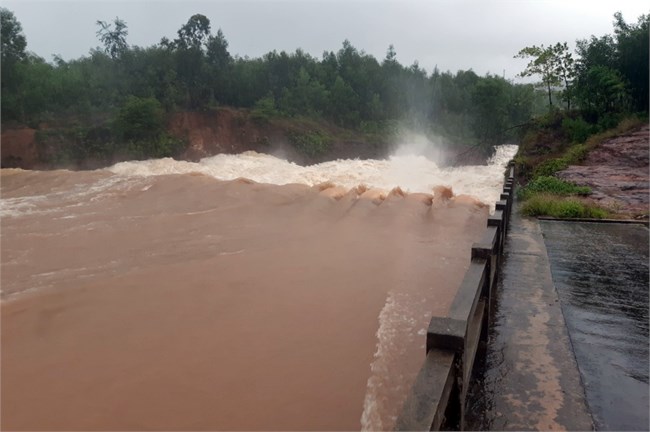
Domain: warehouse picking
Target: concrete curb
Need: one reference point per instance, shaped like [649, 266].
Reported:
[621, 221]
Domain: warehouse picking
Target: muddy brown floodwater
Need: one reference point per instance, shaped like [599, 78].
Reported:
[183, 302]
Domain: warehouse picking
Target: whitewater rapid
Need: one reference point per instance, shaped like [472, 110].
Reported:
[410, 172]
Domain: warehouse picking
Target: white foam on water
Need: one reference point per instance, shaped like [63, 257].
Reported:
[63, 200]
[411, 172]
[395, 324]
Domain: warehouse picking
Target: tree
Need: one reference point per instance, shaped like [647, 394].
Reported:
[13, 40]
[140, 118]
[217, 51]
[343, 104]
[632, 57]
[191, 65]
[602, 90]
[13, 44]
[391, 55]
[219, 64]
[195, 33]
[113, 38]
[490, 109]
[543, 63]
[564, 68]
[612, 71]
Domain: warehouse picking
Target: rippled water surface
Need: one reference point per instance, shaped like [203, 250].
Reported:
[242, 292]
[601, 274]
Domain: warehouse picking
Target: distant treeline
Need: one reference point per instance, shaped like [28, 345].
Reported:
[608, 79]
[350, 88]
[195, 71]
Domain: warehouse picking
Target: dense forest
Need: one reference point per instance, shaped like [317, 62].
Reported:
[133, 88]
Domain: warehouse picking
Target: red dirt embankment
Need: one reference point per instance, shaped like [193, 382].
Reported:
[227, 130]
[617, 173]
[18, 148]
[207, 133]
[221, 131]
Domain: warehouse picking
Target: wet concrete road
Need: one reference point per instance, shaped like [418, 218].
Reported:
[530, 380]
[601, 275]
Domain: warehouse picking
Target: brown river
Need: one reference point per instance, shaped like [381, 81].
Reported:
[238, 293]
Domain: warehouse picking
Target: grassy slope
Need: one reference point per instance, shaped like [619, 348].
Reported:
[551, 145]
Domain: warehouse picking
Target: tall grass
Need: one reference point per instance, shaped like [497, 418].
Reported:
[551, 185]
[544, 204]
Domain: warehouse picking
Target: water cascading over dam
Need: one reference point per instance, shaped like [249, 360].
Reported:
[241, 292]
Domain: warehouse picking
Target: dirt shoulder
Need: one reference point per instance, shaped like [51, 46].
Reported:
[617, 172]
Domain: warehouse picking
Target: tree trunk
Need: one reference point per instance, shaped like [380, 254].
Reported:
[550, 101]
[568, 97]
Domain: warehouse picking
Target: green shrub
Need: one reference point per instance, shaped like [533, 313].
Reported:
[550, 167]
[265, 109]
[609, 121]
[551, 185]
[161, 146]
[567, 208]
[140, 132]
[577, 130]
[523, 166]
[576, 154]
[312, 143]
[140, 118]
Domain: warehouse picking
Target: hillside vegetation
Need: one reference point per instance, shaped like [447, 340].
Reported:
[604, 95]
[117, 99]
[123, 101]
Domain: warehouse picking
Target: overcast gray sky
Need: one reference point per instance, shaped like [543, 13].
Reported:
[481, 35]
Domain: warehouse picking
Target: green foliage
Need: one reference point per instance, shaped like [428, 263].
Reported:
[12, 44]
[195, 71]
[97, 146]
[347, 87]
[75, 146]
[160, 146]
[576, 154]
[265, 109]
[312, 143]
[551, 185]
[550, 167]
[139, 118]
[632, 43]
[577, 130]
[612, 72]
[139, 127]
[12, 39]
[113, 38]
[573, 156]
[140, 130]
[554, 64]
[194, 34]
[551, 205]
[602, 90]
[609, 76]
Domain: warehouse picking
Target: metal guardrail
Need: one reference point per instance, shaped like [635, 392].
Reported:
[438, 395]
